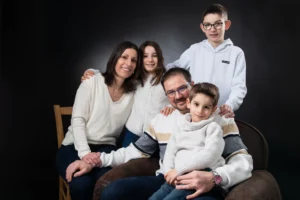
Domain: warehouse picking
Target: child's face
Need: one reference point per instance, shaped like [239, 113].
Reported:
[201, 107]
[150, 59]
[215, 34]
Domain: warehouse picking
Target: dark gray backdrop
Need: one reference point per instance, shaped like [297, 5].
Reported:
[47, 45]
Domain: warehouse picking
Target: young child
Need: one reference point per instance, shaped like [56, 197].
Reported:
[216, 60]
[149, 98]
[198, 145]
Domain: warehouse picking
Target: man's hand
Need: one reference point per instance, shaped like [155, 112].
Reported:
[80, 165]
[87, 74]
[201, 181]
[170, 177]
[227, 111]
[92, 158]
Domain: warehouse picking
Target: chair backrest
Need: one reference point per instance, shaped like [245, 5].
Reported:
[59, 112]
[256, 144]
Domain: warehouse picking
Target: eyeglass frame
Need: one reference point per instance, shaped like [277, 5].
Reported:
[213, 25]
[178, 90]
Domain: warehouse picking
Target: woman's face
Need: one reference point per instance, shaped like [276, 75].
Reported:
[150, 59]
[127, 63]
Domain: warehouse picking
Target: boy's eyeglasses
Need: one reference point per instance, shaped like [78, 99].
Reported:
[207, 26]
[180, 90]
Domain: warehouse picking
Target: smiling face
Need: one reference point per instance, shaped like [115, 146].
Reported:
[201, 107]
[180, 86]
[215, 36]
[150, 59]
[126, 64]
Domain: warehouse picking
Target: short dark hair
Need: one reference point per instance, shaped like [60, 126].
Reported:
[159, 70]
[176, 71]
[216, 9]
[130, 83]
[208, 89]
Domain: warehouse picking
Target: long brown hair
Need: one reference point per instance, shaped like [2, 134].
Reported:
[130, 83]
[159, 70]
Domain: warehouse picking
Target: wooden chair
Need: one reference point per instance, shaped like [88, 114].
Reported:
[63, 190]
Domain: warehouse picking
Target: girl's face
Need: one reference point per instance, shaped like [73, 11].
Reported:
[150, 59]
[126, 64]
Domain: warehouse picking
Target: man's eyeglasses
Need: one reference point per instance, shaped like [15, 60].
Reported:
[180, 90]
[217, 25]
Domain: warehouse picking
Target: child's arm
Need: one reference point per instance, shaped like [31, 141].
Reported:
[209, 156]
[238, 86]
[170, 153]
[183, 61]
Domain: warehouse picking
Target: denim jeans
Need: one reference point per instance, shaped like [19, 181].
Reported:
[82, 187]
[133, 188]
[169, 192]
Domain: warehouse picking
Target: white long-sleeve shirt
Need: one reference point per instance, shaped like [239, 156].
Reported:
[197, 145]
[96, 119]
[148, 101]
[239, 163]
[224, 66]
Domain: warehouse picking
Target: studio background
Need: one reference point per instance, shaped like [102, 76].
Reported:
[47, 45]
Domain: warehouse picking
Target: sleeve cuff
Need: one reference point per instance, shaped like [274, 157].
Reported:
[81, 154]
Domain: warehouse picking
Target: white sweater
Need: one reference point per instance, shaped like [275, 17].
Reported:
[224, 66]
[238, 165]
[198, 145]
[96, 119]
[148, 101]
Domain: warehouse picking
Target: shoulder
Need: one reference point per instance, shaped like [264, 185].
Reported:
[237, 51]
[93, 80]
[213, 126]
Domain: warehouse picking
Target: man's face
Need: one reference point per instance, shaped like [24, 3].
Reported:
[181, 87]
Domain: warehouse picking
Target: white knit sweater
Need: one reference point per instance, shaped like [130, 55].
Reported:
[96, 119]
[198, 145]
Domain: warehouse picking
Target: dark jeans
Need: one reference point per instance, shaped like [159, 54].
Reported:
[133, 188]
[129, 137]
[82, 187]
[169, 192]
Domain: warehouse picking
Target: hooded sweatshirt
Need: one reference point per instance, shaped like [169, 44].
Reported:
[224, 66]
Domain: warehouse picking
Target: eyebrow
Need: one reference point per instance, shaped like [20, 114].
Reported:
[214, 22]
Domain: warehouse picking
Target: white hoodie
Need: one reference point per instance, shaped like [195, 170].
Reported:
[224, 66]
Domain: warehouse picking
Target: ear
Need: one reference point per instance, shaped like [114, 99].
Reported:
[188, 103]
[192, 83]
[214, 109]
[201, 27]
[227, 24]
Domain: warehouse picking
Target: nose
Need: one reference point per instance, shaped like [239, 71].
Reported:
[128, 62]
[178, 95]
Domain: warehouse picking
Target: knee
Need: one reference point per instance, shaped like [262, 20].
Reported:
[81, 185]
[112, 191]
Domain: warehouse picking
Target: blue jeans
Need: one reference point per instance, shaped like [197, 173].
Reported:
[169, 192]
[129, 137]
[82, 187]
[133, 188]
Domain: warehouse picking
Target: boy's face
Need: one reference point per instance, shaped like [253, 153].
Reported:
[214, 26]
[201, 107]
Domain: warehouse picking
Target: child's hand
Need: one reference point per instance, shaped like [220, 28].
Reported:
[170, 177]
[167, 110]
[87, 74]
[227, 111]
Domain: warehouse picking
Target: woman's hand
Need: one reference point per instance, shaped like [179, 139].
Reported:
[78, 166]
[87, 74]
[167, 110]
[92, 158]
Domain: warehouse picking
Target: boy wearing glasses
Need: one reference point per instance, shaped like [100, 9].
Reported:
[197, 145]
[216, 60]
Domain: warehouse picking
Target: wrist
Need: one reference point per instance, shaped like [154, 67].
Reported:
[217, 179]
